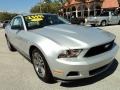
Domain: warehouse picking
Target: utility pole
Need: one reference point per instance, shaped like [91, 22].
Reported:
[40, 7]
[94, 8]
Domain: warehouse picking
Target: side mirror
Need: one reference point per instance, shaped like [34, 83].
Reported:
[16, 27]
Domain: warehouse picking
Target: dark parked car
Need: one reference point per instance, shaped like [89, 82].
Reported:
[79, 20]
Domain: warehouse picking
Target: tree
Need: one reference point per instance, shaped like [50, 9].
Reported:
[6, 16]
[35, 9]
[47, 1]
[52, 7]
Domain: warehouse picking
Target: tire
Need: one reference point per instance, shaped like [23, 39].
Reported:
[119, 23]
[41, 66]
[93, 25]
[103, 23]
[10, 46]
[82, 23]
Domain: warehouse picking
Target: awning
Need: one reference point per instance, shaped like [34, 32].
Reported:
[66, 4]
[110, 4]
[73, 2]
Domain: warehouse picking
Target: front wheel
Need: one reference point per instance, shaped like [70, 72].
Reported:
[41, 67]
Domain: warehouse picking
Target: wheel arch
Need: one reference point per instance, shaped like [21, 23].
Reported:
[119, 22]
[104, 21]
[5, 35]
[36, 47]
[41, 51]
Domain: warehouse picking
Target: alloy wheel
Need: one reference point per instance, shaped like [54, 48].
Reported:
[39, 64]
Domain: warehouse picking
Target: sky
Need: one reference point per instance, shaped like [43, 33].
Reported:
[17, 6]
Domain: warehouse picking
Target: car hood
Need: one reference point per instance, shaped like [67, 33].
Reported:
[74, 36]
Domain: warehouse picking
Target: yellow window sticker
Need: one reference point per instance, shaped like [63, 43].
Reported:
[35, 18]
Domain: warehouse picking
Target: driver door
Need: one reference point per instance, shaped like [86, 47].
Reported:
[16, 29]
[114, 18]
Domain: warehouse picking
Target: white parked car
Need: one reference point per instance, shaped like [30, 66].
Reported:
[105, 18]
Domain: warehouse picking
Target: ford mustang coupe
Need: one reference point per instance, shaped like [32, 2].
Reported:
[58, 49]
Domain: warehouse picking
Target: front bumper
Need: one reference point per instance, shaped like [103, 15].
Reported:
[86, 67]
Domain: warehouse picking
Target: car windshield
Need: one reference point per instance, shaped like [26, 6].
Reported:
[39, 21]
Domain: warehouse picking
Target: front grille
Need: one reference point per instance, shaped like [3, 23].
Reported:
[98, 70]
[99, 49]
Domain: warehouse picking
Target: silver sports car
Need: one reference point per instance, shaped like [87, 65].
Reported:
[59, 49]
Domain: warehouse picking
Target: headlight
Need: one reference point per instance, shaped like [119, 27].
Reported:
[70, 53]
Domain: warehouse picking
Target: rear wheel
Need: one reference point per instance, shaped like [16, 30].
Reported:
[41, 66]
[10, 46]
[93, 25]
[103, 23]
[119, 22]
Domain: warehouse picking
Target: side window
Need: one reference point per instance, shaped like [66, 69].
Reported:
[114, 14]
[104, 14]
[17, 24]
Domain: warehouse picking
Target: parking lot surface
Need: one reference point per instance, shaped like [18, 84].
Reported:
[17, 73]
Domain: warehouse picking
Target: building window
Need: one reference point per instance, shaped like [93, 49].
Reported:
[68, 10]
[64, 10]
[73, 8]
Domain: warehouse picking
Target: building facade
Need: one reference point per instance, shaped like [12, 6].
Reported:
[85, 8]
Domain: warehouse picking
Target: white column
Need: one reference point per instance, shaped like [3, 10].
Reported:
[94, 8]
[83, 9]
[88, 12]
[76, 11]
